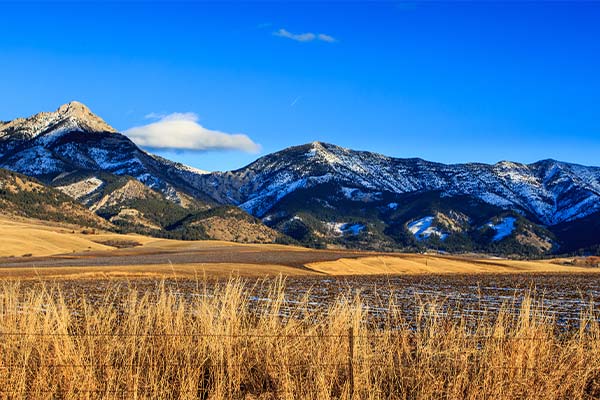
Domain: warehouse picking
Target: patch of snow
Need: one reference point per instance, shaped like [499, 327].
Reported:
[335, 227]
[358, 195]
[503, 229]
[311, 153]
[496, 200]
[192, 169]
[82, 188]
[104, 158]
[353, 229]
[170, 192]
[348, 192]
[423, 229]
[55, 134]
[393, 206]
[343, 228]
[36, 161]
[261, 204]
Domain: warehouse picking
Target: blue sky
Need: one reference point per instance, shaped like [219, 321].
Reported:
[445, 81]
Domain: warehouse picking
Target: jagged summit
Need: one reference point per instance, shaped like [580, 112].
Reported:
[75, 109]
[73, 116]
[74, 140]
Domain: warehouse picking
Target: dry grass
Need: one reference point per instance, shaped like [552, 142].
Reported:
[154, 271]
[381, 265]
[20, 236]
[417, 264]
[221, 345]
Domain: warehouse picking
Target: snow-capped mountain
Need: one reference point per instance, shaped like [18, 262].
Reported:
[549, 191]
[73, 139]
[82, 156]
[319, 193]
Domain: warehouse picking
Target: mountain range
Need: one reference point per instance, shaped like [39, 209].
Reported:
[316, 194]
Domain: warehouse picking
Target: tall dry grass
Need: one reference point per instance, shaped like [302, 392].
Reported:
[221, 345]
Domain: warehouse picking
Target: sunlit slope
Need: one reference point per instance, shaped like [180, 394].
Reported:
[31, 237]
[422, 264]
[19, 237]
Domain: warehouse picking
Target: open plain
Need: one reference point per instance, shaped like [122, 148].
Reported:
[36, 249]
[129, 316]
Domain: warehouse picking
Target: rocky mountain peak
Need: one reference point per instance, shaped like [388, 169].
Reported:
[83, 117]
[73, 116]
[74, 108]
[324, 152]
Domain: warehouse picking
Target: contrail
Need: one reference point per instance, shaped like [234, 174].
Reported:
[295, 101]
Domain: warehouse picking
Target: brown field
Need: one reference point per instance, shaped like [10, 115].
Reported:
[419, 264]
[36, 249]
[19, 237]
[88, 316]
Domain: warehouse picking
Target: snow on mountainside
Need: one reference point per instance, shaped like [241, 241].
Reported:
[549, 190]
[423, 229]
[378, 196]
[82, 188]
[503, 228]
[73, 116]
[342, 228]
[72, 138]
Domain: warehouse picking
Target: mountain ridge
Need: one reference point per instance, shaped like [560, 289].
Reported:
[368, 169]
[319, 193]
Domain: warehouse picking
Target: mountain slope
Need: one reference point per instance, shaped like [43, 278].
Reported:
[225, 223]
[550, 191]
[124, 201]
[23, 196]
[316, 192]
[73, 139]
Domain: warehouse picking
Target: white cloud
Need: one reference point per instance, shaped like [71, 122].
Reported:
[326, 38]
[304, 37]
[181, 131]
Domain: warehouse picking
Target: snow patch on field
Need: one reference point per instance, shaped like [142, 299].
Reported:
[422, 229]
[504, 228]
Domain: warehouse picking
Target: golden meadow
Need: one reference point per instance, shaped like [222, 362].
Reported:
[221, 344]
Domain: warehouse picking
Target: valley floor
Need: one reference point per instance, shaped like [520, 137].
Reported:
[31, 249]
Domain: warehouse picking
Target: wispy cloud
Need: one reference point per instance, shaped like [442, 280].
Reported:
[181, 131]
[154, 115]
[304, 37]
[326, 38]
